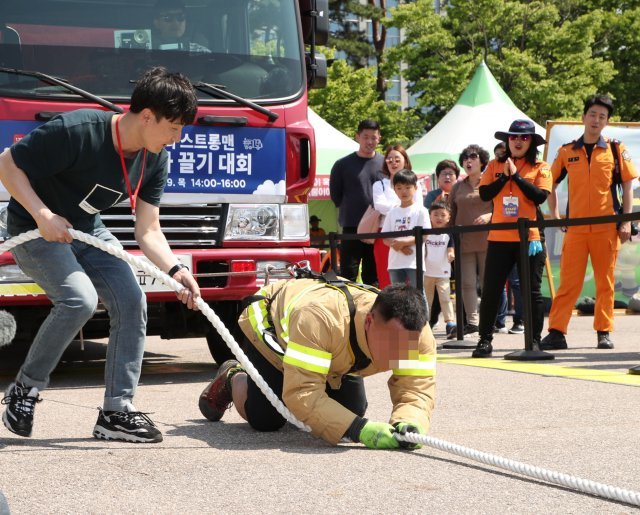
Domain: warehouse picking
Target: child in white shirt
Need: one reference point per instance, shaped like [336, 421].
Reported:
[409, 214]
[438, 256]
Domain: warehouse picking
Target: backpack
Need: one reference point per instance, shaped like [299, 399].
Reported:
[616, 185]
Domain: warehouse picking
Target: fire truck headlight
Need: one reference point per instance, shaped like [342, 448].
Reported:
[253, 222]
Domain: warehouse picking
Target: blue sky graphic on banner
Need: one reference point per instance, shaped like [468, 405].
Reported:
[238, 160]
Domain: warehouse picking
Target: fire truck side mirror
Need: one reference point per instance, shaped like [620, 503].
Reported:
[314, 15]
[316, 70]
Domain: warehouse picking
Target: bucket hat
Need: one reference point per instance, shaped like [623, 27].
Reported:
[519, 127]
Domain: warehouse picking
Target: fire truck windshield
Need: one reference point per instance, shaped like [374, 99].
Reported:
[251, 48]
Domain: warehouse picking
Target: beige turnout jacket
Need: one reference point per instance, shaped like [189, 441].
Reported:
[311, 348]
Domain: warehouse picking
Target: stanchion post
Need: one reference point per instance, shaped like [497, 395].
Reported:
[334, 252]
[531, 352]
[417, 232]
[460, 342]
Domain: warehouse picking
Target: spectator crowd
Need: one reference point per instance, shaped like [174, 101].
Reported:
[479, 190]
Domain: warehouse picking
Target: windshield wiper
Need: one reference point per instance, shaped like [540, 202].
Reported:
[55, 81]
[217, 91]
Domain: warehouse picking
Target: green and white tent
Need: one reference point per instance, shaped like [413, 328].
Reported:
[482, 109]
[331, 145]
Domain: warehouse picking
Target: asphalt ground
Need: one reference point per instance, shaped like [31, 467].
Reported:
[577, 414]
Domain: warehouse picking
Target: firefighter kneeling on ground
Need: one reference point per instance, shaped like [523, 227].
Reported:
[313, 341]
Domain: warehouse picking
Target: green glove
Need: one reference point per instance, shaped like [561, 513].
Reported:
[404, 428]
[378, 435]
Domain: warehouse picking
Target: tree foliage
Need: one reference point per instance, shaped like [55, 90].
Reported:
[351, 96]
[360, 47]
[547, 55]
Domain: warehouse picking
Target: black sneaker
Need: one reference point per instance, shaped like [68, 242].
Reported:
[128, 426]
[470, 329]
[21, 404]
[216, 398]
[517, 328]
[483, 349]
[555, 340]
[604, 341]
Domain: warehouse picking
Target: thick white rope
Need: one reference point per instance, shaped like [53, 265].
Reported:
[575, 483]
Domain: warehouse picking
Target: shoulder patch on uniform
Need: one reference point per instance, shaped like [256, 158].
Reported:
[545, 172]
[626, 155]
[573, 159]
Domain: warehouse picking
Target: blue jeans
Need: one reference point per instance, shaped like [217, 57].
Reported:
[403, 276]
[74, 276]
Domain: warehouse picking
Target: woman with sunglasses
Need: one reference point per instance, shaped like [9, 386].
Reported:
[516, 183]
[467, 208]
[384, 198]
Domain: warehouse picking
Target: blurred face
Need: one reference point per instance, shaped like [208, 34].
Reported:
[389, 341]
[471, 163]
[446, 180]
[171, 24]
[519, 144]
[405, 192]
[595, 120]
[368, 140]
[395, 161]
[439, 218]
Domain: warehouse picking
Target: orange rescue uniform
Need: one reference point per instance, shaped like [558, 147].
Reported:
[538, 174]
[589, 195]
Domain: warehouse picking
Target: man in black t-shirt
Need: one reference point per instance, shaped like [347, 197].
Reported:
[351, 188]
[61, 176]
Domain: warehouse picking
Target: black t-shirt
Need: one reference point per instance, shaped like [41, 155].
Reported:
[589, 149]
[74, 167]
[351, 186]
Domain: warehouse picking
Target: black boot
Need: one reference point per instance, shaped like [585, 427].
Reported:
[483, 349]
[604, 341]
[555, 340]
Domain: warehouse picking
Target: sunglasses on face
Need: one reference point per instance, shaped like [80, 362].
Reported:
[521, 137]
[393, 159]
[473, 155]
[168, 18]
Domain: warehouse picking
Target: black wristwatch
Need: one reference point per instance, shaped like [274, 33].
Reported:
[175, 268]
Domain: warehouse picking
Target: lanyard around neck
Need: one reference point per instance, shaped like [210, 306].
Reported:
[133, 196]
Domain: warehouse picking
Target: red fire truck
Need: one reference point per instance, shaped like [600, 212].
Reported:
[236, 196]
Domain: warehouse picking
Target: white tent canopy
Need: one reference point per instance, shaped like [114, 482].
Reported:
[482, 109]
[331, 145]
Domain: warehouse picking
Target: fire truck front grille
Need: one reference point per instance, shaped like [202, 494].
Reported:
[199, 226]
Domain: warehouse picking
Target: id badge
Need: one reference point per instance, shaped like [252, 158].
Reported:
[510, 206]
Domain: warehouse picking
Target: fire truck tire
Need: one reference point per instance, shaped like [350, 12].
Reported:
[228, 313]
[218, 348]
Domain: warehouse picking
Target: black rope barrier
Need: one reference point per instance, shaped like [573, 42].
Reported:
[532, 350]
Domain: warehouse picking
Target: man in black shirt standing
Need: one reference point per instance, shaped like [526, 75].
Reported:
[61, 176]
[350, 185]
